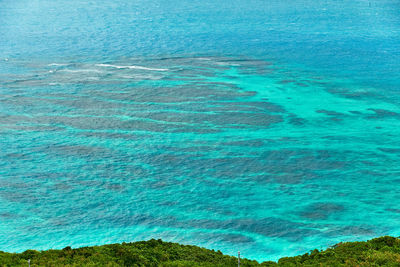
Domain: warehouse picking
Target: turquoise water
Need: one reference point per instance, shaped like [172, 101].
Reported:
[269, 127]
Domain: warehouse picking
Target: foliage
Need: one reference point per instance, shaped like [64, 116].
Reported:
[383, 251]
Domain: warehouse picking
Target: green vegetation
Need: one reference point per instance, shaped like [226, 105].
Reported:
[383, 251]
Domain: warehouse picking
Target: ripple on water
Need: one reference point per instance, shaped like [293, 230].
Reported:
[225, 152]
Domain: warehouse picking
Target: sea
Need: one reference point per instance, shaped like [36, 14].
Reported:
[269, 127]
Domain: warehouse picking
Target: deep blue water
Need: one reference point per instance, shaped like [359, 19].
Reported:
[269, 127]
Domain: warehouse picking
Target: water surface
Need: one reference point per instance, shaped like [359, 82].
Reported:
[261, 126]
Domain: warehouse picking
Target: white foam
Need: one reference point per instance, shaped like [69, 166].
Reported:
[81, 70]
[140, 77]
[227, 64]
[203, 58]
[57, 64]
[130, 67]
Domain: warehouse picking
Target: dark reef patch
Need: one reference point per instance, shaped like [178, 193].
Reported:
[330, 112]
[246, 143]
[295, 120]
[393, 210]
[383, 113]
[334, 231]
[229, 238]
[390, 150]
[321, 211]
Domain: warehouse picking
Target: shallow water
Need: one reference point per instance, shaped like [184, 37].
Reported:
[265, 127]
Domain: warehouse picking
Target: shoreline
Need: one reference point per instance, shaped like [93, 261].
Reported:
[378, 251]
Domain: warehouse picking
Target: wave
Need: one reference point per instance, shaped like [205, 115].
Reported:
[130, 67]
[141, 77]
[204, 58]
[80, 70]
[57, 64]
